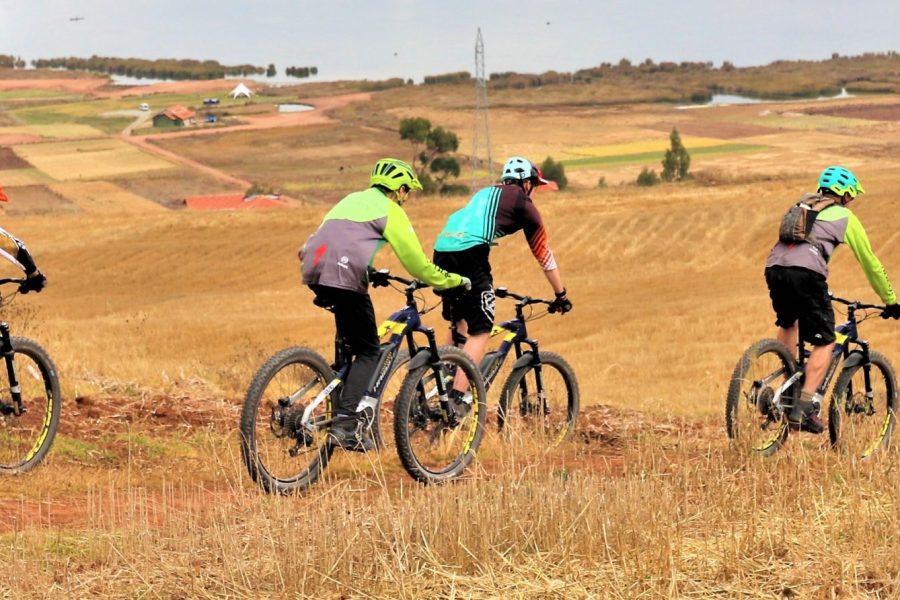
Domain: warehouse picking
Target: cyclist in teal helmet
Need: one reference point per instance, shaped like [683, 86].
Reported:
[336, 260]
[796, 275]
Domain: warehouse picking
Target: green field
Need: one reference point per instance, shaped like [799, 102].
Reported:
[643, 157]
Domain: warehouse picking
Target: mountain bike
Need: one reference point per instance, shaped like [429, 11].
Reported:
[29, 399]
[767, 380]
[290, 404]
[541, 393]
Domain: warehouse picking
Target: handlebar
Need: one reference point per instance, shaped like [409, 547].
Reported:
[17, 280]
[502, 292]
[381, 277]
[855, 304]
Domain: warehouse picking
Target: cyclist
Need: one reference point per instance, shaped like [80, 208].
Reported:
[14, 250]
[796, 275]
[335, 263]
[464, 246]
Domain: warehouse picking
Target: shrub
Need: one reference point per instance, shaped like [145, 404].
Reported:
[647, 177]
[554, 171]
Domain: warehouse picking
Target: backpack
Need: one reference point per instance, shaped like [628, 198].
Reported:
[797, 223]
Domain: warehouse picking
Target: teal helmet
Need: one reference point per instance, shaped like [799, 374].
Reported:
[393, 173]
[840, 181]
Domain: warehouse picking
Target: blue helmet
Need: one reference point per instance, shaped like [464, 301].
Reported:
[840, 181]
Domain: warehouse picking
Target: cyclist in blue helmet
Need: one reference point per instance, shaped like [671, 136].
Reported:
[796, 275]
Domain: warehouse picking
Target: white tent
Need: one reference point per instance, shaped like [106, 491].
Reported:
[240, 90]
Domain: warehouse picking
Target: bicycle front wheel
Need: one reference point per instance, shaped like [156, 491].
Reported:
[435, 446]
[546, 412]
[858, 422]
[753, 420]
[282, 454]
[26, 438]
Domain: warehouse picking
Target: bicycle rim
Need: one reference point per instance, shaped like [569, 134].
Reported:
[546, 416]
[26, 438]
[281, 454]
[859, 424]
[432, 448]
[754, 421]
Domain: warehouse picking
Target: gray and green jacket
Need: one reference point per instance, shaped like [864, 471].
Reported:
[340, 251]
[835, 225]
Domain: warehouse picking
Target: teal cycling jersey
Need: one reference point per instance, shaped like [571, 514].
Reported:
[492, 213]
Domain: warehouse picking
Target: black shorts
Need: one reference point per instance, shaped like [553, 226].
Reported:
[799, 294]
[476, 306]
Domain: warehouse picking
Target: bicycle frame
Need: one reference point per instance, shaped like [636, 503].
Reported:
[401, 325]
[846, 333]
[514, 334]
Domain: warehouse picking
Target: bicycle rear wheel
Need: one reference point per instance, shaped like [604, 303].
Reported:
[282, 455]
[753, 421]
[858, 423]
[26, 438]
[432, 447]
[548, 414]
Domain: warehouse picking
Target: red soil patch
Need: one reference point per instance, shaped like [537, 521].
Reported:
[713, 129]
[10, 160]
[873, 112]
[80, 86]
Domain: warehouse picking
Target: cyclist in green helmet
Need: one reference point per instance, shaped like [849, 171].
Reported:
[335, 262]
[796, 275]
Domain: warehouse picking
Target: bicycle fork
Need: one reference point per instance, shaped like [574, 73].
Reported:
[17, 407]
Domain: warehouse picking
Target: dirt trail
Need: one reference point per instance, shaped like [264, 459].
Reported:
[602, 438]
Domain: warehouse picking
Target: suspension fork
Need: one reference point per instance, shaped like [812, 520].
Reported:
[8, 356]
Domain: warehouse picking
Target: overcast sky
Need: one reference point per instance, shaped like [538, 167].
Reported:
[376, 39]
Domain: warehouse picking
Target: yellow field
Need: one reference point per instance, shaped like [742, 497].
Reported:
[56, 131]
[157, 321]
[89, 159]
[17, 177]
[103, 197]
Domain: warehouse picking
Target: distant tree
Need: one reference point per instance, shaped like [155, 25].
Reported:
[433, 150]
[271, 71]
[555, 171]
[601, 183]
[647, 177]
[676, 162]
[727, 65]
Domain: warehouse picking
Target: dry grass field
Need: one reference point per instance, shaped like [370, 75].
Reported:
[158, 319]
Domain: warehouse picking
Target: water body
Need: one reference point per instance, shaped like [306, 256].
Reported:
[292, 108]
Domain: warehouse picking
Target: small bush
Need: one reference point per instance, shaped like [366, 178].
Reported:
[601, 183]
[554, 171]
[647, 177]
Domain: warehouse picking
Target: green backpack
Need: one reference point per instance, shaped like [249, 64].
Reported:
[797, 223]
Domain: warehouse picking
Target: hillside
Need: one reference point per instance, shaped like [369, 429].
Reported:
[157, 319]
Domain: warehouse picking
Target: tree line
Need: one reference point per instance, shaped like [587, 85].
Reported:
[301, 72]
[7, 61]
[162, 68]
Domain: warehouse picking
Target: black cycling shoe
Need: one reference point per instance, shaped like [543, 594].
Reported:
[805, 416]
[351, 434]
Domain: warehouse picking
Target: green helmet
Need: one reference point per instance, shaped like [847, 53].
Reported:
[839, 180]
[393, 173]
